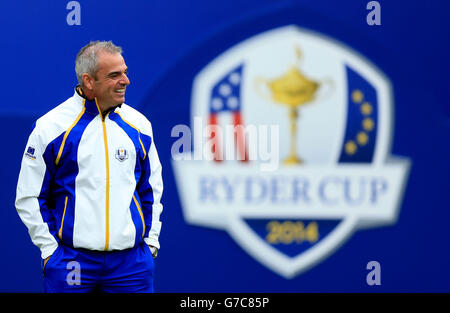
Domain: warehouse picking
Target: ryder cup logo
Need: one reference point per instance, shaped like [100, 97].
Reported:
[121, 154]
[291, 136]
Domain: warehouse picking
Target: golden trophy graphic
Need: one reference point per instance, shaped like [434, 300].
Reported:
[294, 90]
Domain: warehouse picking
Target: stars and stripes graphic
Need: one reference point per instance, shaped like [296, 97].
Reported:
[226, 97]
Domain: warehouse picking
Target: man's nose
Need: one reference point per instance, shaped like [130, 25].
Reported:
[125, 80]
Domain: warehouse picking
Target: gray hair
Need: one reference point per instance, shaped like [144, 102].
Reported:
[86, 60]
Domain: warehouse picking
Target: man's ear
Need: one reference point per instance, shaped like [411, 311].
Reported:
[88, 81]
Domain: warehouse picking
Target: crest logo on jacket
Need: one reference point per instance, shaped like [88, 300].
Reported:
[121, 154]
[334, 173]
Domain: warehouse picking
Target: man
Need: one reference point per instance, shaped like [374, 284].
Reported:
[90, 184]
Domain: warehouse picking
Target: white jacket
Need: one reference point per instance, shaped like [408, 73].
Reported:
[90, 182]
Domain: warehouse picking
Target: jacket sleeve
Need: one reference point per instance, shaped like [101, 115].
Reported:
[150, 189]
[32, 196]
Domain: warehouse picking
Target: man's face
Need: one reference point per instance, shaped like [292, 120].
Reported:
[112, 80]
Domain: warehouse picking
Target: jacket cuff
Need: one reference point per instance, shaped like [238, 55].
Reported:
[152, 242]
[48, 251]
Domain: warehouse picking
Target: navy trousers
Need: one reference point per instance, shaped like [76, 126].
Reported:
[81, 270]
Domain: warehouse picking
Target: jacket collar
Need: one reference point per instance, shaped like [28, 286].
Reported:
[91, 105]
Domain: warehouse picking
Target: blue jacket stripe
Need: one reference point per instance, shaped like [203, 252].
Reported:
[141, 159]
[64, 175]
[136, 217]
[144, 188]
[47, 207]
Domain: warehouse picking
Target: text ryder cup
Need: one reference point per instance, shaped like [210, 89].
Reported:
[283, 189]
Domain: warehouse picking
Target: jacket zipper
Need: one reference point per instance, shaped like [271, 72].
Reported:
[107, 175]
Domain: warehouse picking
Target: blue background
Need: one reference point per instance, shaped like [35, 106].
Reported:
[165, 44]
